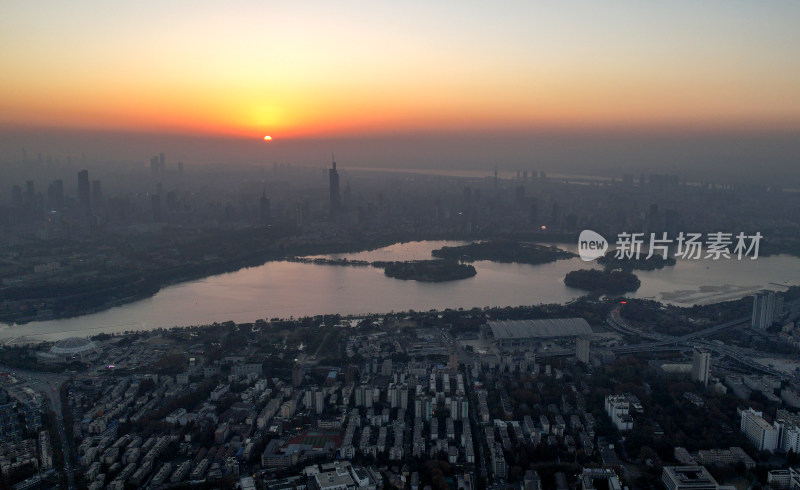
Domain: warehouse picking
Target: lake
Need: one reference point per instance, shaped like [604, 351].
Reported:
[289, 289]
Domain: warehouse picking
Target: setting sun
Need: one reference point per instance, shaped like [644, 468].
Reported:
[267, 138]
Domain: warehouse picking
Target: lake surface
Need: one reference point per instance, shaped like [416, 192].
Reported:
[289, 289]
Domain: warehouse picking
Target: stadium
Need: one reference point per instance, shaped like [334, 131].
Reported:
[68, 350]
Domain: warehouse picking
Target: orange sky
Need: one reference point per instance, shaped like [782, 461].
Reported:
[316, 69]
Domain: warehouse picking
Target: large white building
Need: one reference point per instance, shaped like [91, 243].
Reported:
[762, 434]
[618, 408]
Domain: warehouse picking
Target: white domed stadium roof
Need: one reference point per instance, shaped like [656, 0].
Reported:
[74, 346]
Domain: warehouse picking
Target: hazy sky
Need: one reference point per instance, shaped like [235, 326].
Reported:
[345, 68]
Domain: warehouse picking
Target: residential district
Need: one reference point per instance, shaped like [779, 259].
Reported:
[522, 398]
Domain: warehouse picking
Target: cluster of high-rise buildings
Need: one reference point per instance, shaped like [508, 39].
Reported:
[783, 433]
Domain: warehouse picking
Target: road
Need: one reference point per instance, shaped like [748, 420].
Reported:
[48, 384]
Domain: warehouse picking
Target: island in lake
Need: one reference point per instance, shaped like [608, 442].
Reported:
[416, 270]
[503, 251]
[641, 263]
[612, 282]
[427, 270]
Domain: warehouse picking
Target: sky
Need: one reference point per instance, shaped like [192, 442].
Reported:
[355, 69]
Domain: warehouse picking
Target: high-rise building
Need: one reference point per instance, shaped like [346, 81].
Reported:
[582, 350]
[359, 396]
[761, 433]
[790, 437]
[788, 425]
[297, 375]
[319, 400]
[386, 367]
[336, 199]
[763, 309]
[701, 365]
[394, 395]
[84, 197]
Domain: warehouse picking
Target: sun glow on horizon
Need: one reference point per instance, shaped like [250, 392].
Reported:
[366, 68]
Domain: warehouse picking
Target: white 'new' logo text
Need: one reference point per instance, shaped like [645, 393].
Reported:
[591, 245]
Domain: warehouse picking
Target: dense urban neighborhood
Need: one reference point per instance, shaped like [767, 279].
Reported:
[538, 397]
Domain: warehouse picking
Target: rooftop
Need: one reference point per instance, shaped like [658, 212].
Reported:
[546, 328]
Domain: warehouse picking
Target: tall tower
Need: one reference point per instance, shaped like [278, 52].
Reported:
[83, 190]
[336, 199]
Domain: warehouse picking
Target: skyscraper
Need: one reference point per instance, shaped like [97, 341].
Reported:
[84, 190]
[336, 199]
[701, 365]
[763, 309]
